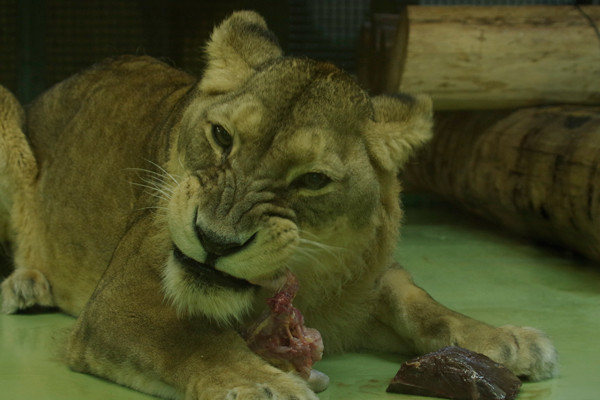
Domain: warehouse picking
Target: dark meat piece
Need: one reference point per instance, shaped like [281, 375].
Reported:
[456, 373]
[280, 336]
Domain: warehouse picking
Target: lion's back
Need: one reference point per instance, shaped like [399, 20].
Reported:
[116, 90]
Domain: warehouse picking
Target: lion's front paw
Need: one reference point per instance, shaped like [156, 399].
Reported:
[526, 351]
[25, 288]
[280, 386]
[270, 392]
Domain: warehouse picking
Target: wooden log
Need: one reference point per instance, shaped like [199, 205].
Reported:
[470, 57]
[535, 171]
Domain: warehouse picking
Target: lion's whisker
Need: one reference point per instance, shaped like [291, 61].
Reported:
[160, 175]
[162, 209]
[154, 191]
[165, 172]
[302, 253]
[311, 245]
[322, 245]
[307, 233]
[159, 185]
[316, 240]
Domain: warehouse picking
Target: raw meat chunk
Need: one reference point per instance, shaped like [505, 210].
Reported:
[456, 373]
[280, 336]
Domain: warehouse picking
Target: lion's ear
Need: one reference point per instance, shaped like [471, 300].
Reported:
[236, 48]
[402, 124]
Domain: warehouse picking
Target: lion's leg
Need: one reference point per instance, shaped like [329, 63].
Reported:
[18, 171]
[419, 320]
[18, 168]
[12, 118]
[154, 351]
[128, 333]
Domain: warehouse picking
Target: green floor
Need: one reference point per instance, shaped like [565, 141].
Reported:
[463, 263]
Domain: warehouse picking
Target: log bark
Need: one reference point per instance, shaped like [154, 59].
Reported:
[486, 57]
[535, 171]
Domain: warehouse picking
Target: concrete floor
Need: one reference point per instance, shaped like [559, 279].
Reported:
[468, 265]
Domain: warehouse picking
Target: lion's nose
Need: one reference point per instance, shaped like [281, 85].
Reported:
[216, 245]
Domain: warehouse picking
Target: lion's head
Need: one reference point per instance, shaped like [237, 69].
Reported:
[281, 163]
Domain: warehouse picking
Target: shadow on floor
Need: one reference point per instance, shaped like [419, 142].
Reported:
[5, 260]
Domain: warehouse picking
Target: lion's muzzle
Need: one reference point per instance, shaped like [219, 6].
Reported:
[208, 274]
[217, 245]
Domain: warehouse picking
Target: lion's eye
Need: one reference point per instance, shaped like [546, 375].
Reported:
[222, 137]
[312, 181]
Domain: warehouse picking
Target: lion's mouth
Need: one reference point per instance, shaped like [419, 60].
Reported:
[208, 274]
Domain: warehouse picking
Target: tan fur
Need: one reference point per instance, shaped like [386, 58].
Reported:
[131, 169]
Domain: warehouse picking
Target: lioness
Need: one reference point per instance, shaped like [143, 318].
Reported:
[162, 210]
